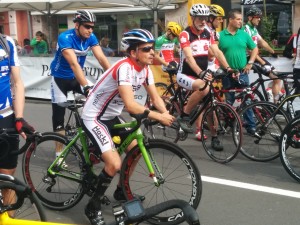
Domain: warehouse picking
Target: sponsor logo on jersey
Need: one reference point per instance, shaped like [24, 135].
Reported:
[102, 138]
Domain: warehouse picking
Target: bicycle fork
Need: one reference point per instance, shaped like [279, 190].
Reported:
[149, 160]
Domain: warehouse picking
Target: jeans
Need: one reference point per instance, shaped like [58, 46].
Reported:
[229, 82]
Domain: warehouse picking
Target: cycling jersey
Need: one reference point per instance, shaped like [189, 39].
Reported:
[104, 101]
[5, 70]
[214, 33]
[253, 32]
[166, 47]
[199, 44]
[69, 40]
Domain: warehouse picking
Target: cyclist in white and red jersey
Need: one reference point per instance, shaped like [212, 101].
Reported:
[167, 44]
[113, 91]
[195, 41]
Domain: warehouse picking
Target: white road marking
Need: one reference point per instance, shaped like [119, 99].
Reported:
[253, 187]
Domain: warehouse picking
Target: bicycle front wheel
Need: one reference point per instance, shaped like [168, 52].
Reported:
[221, 121]
[262, 145]
[289, 148]
[177, 174]
[63, 189]
[31, 209]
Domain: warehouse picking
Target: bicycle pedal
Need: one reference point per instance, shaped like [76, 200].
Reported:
[105, 200]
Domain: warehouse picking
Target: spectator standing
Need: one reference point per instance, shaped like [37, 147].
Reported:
[104, 43]
[12, 101]
[39, 44]
[67, 66]
[27, 49]
[234, 43]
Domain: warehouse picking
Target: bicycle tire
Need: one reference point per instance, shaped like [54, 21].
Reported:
[260, 147]
[65, 193]
[182, 178]
[228, 132]
[31, 208]
[289, 148]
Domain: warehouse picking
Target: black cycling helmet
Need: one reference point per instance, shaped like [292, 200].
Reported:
[254, 11]
[82, 16]
[136, 36]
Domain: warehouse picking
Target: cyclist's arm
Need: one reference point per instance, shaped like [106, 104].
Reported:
[18, 90]
[156, 99]
[133, 107]
[98, 53]
[71, 58]
[263, 44]
[160, 59]
[219, 55]
[260, 60]
[191, 60]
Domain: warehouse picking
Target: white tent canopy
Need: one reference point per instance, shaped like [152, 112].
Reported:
[50, 7]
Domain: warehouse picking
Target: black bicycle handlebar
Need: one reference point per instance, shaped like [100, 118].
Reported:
[189, 213]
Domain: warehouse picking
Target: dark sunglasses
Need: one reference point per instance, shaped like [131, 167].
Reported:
[147, 49]
[88, 26]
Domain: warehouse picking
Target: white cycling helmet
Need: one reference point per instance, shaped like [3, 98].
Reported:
[136, 36]
[199, 10]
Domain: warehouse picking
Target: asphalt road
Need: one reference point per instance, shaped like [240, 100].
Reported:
[241, 192]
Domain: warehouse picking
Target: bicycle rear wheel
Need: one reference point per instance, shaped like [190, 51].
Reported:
[261, 146]
[289, 148]
[178, 177]
[57, 192]
[226, 123]
[31, 209]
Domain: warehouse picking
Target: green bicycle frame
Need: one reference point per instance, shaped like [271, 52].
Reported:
[136, 135]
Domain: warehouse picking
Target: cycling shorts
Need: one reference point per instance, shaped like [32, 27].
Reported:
[9, 161]
[185, 81]
[59, 90]
[101, 132]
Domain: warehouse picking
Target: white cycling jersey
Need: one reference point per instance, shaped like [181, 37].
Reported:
[104, 101]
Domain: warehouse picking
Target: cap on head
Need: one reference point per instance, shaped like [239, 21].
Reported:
[82, 16]
[199, 10]
[135, 37]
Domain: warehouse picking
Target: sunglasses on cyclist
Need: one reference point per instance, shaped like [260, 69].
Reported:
[147, 49]
[86, 26]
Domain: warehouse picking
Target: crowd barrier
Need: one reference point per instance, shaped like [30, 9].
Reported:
[35, 72]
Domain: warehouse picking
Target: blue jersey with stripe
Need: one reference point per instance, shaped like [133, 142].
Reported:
[5, 70]
[69, 40]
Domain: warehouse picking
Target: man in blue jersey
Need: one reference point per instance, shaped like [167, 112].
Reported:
[67, 67]
[12, 100]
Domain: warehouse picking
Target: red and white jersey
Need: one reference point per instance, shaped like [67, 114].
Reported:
[104, 101]
[199, 44]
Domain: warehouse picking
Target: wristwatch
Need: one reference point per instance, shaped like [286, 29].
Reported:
[250, 62]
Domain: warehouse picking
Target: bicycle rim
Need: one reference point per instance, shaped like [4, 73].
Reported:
[31, 209]
[54, 191]
[262, 146]
[180, 179]
[290, 149]
[226, 124]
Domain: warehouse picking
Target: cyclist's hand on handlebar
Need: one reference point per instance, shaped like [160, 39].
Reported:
[205, 75]
[86, 90]
[23, 127]
[166, 119]
[235, 74]
[274, 55]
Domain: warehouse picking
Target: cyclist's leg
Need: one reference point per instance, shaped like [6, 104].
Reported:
[8, 164]
[190, 83]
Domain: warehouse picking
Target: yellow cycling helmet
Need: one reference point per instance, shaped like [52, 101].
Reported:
[174, 27]
[216, 10]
